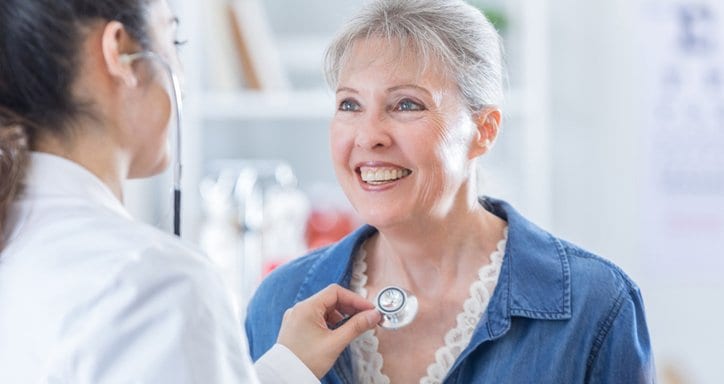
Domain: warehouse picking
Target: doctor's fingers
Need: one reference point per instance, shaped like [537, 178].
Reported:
[335, 298]
[335, 319]
[355, 326]
[302, 310]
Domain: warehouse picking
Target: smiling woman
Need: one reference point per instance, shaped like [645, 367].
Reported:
[418, 84]
[400, 116]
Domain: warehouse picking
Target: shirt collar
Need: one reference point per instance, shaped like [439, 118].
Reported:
[534, 279]
[54, 176]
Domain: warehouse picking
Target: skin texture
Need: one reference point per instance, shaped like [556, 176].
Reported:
[393, 111]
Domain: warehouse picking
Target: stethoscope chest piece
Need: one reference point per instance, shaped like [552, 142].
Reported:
[397, 306]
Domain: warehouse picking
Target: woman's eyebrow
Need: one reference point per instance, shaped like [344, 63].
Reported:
[403, 86]
[389, 90]
[347, 89]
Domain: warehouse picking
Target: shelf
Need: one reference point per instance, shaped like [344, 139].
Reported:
[276, 105]
[303, 53]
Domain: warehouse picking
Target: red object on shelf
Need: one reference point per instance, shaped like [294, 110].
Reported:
[325, 227]
[270, 266]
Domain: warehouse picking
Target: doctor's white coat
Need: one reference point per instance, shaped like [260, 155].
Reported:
[87, 295]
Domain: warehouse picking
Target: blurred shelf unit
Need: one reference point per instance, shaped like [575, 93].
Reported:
[266, 105]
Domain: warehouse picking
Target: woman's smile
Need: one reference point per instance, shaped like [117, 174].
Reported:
[378, 174]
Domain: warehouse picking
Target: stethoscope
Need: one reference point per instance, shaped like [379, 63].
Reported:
[397, 306]
[176, 95]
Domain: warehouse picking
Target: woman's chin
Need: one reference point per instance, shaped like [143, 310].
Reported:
[382, 220]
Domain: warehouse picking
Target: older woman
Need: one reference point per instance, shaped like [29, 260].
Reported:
[500, 300]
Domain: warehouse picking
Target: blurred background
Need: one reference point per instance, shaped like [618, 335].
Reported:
[613, 138]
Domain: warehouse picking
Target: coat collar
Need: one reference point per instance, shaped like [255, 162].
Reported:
[51, 176]
[534, 279]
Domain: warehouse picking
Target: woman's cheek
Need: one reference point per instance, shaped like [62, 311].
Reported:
[341, 142]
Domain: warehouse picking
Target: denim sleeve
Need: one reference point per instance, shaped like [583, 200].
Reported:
[622, 349]
[265, 311]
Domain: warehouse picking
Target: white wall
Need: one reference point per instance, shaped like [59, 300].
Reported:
[597, 147]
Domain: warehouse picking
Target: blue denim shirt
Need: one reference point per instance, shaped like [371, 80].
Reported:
[558, 313]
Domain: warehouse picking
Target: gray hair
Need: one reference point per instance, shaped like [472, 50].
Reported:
[453, 32]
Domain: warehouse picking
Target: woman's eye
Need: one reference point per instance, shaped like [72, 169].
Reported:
[348, 105]
[407, 105]
[179, 43]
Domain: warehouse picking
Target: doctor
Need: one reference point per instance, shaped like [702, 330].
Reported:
[87, 295]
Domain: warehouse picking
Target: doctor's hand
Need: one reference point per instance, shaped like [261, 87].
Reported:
[309, 329]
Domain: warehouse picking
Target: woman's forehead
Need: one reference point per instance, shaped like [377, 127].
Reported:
[396, 58]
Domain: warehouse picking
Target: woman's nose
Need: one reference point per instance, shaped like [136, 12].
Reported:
[373, 132]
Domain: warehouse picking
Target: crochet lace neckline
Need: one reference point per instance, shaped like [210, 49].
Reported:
[368, 361]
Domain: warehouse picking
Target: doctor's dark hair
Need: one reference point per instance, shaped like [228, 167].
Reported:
[40, 47]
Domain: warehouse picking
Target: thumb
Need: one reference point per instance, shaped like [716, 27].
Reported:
[357, 325]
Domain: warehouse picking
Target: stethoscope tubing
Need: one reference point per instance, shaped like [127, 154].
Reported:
[178, 104]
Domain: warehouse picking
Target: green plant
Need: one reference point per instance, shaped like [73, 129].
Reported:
[495, 15]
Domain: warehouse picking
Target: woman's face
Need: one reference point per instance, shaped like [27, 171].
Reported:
[401, 136]
[149, 123]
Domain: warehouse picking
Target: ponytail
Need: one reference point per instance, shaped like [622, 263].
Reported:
[40, 48]
[14, 158]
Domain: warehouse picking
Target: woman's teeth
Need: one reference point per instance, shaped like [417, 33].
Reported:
[383, 175]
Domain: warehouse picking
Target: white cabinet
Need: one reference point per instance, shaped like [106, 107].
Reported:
[222, 120]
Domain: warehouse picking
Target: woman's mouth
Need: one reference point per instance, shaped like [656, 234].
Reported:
[382, 175]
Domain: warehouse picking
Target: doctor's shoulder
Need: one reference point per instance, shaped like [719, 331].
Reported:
[159, 255]
[138, 263]
[140, 306]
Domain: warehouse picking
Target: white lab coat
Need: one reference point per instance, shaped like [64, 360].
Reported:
[87, 295]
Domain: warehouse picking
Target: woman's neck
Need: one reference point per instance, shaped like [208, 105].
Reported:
[434, 254]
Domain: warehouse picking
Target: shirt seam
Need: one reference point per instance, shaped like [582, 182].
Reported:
[622, 276]
[314, 255]
[604, 329]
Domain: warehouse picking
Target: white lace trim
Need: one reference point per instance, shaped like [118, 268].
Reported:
[365, 355]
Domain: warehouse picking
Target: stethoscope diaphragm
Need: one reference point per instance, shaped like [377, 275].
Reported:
[397, 306]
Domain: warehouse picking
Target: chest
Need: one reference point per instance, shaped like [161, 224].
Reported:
[408, 353]
[427, 348]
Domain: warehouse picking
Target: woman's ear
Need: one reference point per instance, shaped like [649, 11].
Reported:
[487, 121]
[116, 46]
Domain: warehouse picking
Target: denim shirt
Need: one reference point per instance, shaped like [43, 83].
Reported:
[558, 314]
